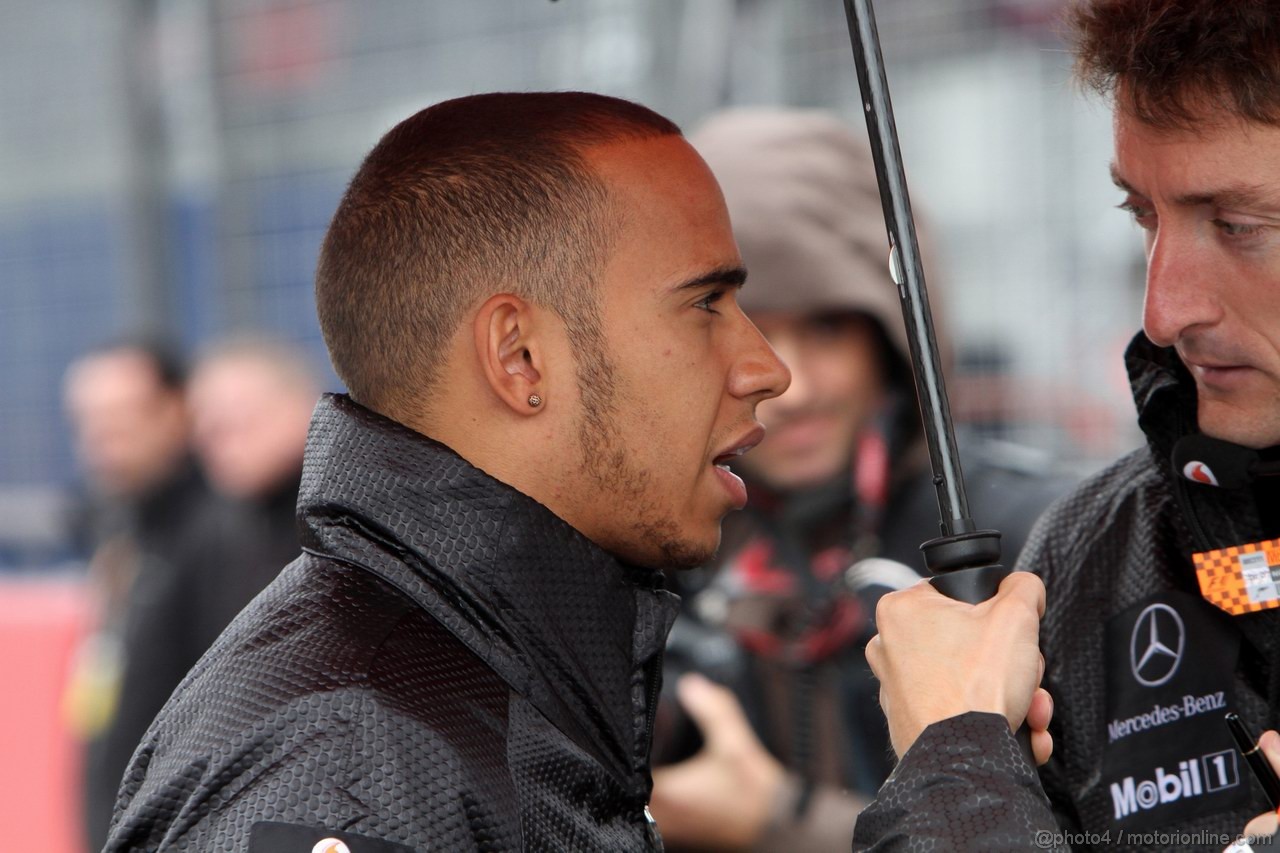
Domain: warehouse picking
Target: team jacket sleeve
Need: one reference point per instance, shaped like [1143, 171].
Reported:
[963, 785]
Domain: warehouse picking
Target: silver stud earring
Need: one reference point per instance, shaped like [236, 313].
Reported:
[535, 401]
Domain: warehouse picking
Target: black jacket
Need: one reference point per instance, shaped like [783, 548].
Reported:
[963, 785]
[1141, 758]
[448, 666]
[1116, 557]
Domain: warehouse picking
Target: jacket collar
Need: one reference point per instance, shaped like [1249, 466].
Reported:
[560, 620]
[1165, 394]
[1163, 391]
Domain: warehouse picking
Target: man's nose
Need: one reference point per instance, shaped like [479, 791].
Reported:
[758, 371]
[798, 391]
[1181, 287]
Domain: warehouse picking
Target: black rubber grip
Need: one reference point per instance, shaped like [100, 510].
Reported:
[973, 585]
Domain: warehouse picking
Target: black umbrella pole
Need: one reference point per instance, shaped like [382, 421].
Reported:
[964, 559]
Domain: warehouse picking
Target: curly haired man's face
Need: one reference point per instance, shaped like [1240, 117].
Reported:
[1209, 204]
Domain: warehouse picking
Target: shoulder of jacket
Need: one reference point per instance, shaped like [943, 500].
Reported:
[1100, 508]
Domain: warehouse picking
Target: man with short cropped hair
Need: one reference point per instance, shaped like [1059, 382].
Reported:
[532, 300]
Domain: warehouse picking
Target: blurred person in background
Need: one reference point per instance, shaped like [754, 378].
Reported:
[250, 401]
[126, 405]
[841, 496]
[140, 513]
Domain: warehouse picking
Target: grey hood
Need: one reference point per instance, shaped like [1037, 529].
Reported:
[802, 195]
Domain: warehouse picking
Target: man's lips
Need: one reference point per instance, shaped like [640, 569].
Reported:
[733, 485]
[1199, 354]
[1218, 375]
[753, 437]
[732, 482]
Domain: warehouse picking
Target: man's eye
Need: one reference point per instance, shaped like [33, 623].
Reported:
[707, 301]
[1237, 229]
[1145, 217]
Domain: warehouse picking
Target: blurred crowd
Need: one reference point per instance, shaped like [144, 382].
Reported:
[185, 511]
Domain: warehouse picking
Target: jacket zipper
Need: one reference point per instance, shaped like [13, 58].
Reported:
[1193, 518]
[653, 686]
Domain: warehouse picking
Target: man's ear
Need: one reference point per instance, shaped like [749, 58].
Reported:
[511, 354]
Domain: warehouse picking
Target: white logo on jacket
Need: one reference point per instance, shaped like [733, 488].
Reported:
[1156, 645]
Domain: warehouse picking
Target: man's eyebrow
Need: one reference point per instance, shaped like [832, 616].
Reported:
[1233, 196]
[1236, 196]
[1120, 182]
[732, 276]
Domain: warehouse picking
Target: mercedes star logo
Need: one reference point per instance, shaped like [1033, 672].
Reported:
[1156, 647]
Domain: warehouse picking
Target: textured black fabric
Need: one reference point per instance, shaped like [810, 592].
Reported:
[275, 837]
[449, 666]
[1125, 535]
[963, 785]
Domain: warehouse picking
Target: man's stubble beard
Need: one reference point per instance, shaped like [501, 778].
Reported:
[1245, 428]
[652, 535]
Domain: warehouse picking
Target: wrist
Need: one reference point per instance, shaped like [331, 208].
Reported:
[769, 787]
[907, 728]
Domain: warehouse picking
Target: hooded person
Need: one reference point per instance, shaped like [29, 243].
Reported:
[841, 498]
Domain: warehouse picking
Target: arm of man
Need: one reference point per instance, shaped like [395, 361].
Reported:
[956, 681]
[734, 795]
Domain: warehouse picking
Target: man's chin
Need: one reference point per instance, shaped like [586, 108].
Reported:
[684, 556]
[1240, 425]
[662, 547]
[684, 553]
